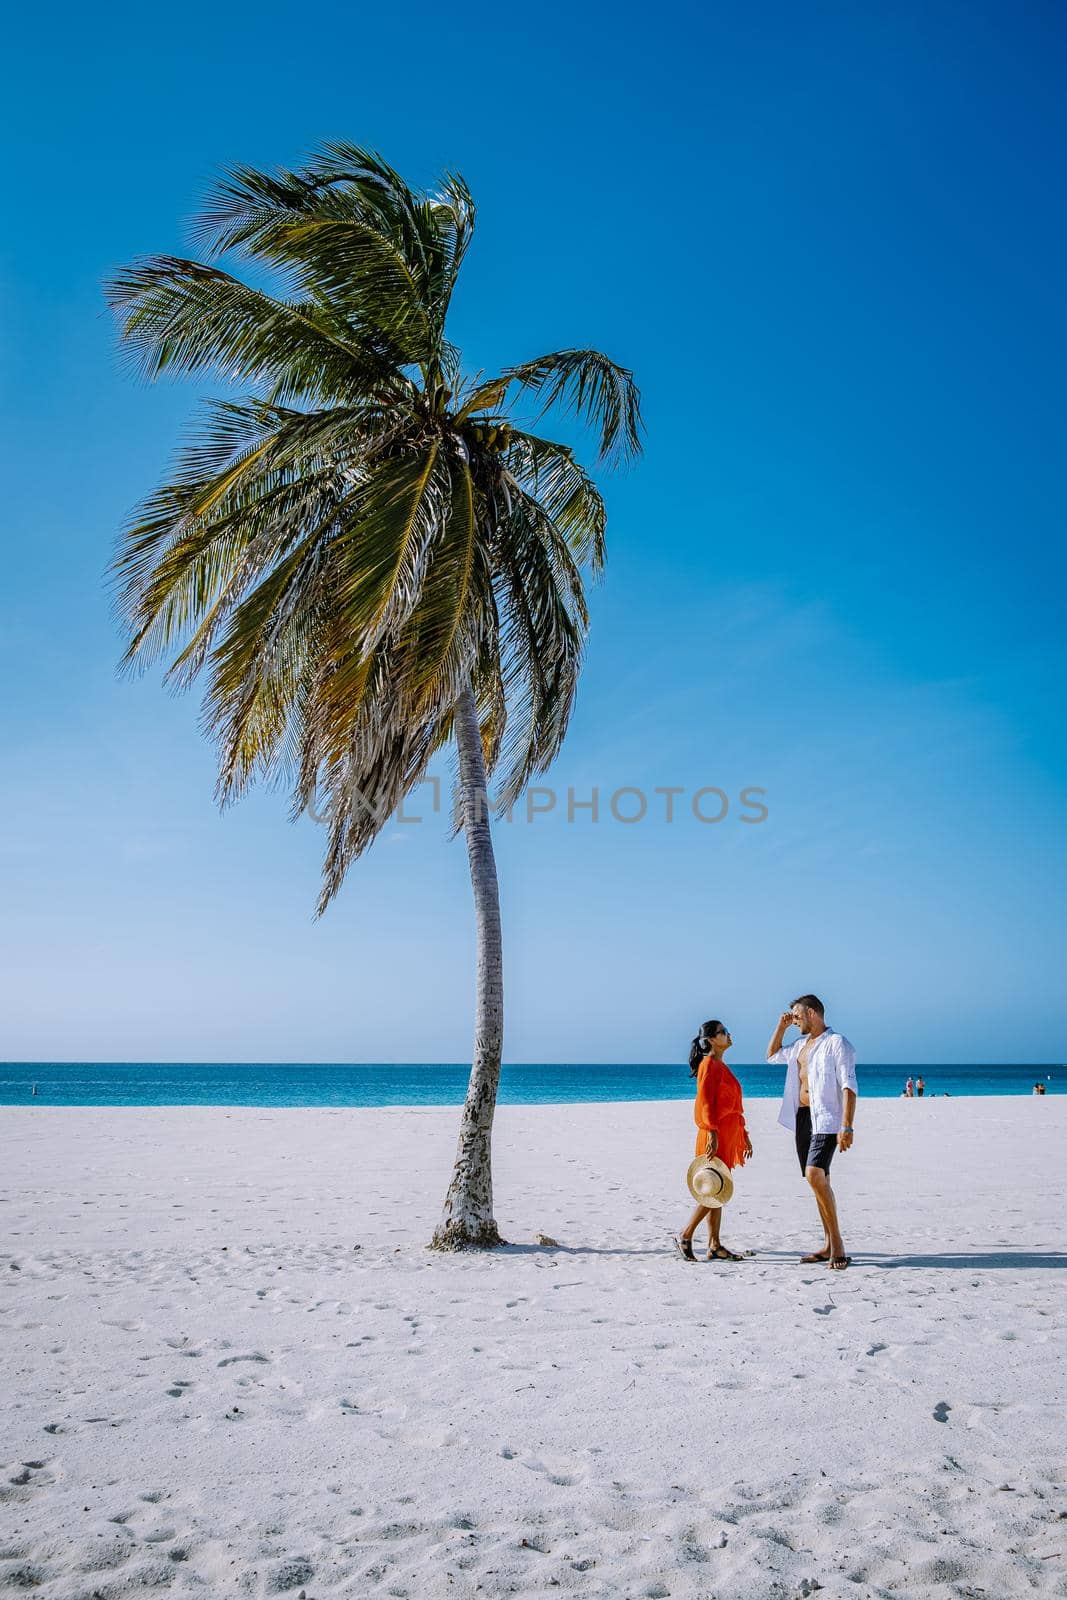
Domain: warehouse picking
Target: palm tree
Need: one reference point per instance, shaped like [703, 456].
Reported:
[364, 554]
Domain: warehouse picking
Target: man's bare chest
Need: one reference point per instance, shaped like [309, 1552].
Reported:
[802, 1068]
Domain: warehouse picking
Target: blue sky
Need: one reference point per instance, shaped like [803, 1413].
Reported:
[829, 240]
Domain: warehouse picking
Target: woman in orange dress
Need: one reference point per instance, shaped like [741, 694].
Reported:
[720, 1118]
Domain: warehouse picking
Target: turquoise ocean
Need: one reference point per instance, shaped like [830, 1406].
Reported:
[107, 1083]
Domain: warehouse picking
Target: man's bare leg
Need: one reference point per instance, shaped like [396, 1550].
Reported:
[822, 1255]
[824, 1199]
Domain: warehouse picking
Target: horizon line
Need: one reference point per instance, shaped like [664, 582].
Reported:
[134, 1062]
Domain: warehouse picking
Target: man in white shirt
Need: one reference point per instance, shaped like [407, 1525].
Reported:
[819, 1107]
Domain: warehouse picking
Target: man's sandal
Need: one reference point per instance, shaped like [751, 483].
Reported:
[684, 1247]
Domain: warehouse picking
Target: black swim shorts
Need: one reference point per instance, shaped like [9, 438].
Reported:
[813, 1149]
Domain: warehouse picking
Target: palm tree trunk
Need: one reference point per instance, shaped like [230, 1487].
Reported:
[467, 1220]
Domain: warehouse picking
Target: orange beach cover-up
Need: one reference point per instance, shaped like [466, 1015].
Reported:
[719, 1109]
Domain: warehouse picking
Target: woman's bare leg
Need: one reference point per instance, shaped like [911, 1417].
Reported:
[715, 1237]
[695, 1220]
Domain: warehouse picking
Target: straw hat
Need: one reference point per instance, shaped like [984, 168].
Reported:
[709, 1181]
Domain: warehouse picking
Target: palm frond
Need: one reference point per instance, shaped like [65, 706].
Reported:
[259, 667]
[438, 643]
[186, 317]
[253, 478]
[541, 647]
[357, 794]
[385, 546]
[551, 475]
[352, 231]
[594, 388]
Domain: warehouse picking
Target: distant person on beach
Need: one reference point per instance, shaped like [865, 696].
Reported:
[819, 1107]
[719, 1114]
[1039, 1088]
[920, 1086]
[909, 1089]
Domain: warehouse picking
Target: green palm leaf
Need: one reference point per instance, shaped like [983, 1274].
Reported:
[596, 389]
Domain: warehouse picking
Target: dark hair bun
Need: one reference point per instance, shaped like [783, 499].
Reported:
[701, 1045]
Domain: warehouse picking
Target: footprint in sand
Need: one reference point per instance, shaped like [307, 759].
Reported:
[32, 1475]
[256, 1355]
[289, 1574]
[941, 1411]
[823, 1311]
[558, 1474]
[107, 1555]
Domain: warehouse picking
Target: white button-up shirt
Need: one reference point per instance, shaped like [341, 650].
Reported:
[831, 1070]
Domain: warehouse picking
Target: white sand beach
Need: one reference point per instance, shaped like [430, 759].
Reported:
[231, 1367]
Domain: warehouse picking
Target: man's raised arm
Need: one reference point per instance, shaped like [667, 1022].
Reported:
[784, 1021]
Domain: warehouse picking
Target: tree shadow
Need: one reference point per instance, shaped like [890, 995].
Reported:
[584, 1250]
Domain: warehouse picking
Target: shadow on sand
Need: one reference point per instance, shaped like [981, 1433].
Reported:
[983, 1262]
[992, 1260]
[978, 1261]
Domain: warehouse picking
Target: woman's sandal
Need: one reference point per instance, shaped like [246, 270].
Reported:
[839, 1263]
[720, 1253]
[684, 1247]
[817, 1257]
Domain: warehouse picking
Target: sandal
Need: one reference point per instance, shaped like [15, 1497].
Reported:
[839, 1263]
[720, 1253]
[816, 1256]
[684, 1247]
